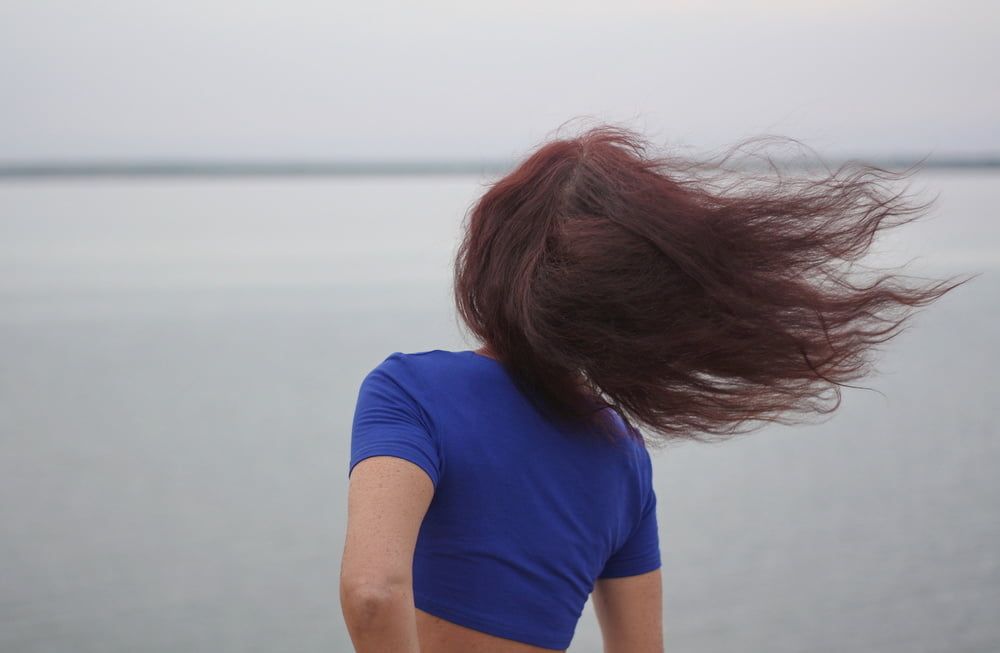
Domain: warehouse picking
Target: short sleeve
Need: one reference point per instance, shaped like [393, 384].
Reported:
[389, 422]
[641, 551]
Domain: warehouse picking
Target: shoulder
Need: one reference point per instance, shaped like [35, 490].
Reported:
[635, 443]
[412, 365]
[422, 374]
[636, 450]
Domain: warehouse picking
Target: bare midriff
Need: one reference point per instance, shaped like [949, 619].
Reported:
[440, 636]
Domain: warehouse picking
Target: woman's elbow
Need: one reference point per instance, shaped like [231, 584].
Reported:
[363, 601]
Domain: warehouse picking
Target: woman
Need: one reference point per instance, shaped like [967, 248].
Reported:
[492, 491]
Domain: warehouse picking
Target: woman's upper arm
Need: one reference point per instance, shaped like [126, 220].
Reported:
[629, 611]
[394, 469]
[627, 596]
[387, 499]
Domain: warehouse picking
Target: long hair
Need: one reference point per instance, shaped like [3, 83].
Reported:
[697, 300]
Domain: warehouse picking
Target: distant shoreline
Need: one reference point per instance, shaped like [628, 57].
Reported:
[179, 168]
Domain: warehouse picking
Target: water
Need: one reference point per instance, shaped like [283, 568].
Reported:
[180, 362]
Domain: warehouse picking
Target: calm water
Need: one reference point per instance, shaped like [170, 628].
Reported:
[179, 365]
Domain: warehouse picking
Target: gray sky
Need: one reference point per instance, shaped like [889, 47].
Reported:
[436, 79]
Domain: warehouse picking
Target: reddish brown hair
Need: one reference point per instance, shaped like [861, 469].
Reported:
[692, 298]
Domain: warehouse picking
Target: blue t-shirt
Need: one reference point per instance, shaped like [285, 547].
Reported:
[525, 515]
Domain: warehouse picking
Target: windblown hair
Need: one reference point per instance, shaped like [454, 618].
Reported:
[696, 300]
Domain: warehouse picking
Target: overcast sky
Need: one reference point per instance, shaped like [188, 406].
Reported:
[435, 79]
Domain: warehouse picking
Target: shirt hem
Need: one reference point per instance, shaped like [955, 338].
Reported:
[488, 626]
[394, 452]
[635, 568]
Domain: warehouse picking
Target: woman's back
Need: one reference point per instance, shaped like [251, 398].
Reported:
[699, 300]
[526, 515]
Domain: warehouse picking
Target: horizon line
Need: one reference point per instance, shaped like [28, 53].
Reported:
[383, 168]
